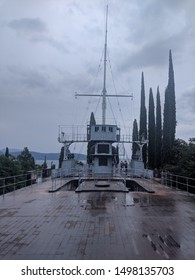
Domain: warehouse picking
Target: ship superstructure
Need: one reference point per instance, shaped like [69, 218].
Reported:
[102, 155]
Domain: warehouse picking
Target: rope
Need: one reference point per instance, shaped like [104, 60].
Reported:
[112, 76]
[86, 111]
[112, 111]
[95, 81]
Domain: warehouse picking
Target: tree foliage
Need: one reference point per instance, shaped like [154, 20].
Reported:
[26, 160]
[151, 132]
[176, 156]
[143, 119]
[158, 136]
[182, 160]
[92, 119]
[7, 152]
[91, 144]
[169, 124]
[135, 137]
[9, 166]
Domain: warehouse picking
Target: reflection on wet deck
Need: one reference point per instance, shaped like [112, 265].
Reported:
[36, 224]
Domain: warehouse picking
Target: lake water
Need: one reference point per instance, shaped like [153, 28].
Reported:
[49, 162]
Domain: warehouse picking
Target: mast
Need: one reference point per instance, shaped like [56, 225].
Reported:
[104, 82]
[104, 94]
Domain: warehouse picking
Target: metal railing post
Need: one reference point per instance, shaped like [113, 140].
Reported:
[171, 179]
[52, 183]
[3, 187]
[187, 184]
[166, 179]
[14, 183]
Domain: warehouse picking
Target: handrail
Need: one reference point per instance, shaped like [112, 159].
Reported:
[178, 182]
[12, 183]
[87, 172]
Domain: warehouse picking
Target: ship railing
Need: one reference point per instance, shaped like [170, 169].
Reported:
[57, 179]
[135, 173]
[71, 134]
[125, 138]
[59, 176]
[87, 172]
[13, 183]
[63, 138]
[178, 182]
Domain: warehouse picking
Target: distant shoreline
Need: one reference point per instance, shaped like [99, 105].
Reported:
[41, 156]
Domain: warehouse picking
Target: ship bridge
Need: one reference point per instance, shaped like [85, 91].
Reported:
[108, 133]
[98, 132]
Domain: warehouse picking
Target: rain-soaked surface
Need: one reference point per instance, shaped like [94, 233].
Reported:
[36, 224]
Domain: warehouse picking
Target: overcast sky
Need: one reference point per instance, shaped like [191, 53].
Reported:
[51, 49]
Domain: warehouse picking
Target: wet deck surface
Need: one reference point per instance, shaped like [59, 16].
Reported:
[36, 224]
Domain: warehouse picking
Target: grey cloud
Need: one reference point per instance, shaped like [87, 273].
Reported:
[51, 42]
[35, 30]
[160, 19]
[174, 4]
[34, 80]
[155, 53]
[186, 114]
[28, 25]
[46, 81]
[29, 78]
[186, 104]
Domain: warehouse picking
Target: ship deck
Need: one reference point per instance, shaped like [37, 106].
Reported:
[38, 224]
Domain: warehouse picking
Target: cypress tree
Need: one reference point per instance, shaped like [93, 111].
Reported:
[92, 119]
[143, 119]
[151, 132]
[7, 152]
[169, 124]
[171, 90]
[44, 165]
[158, 137]
[135, 137]
[90, 145]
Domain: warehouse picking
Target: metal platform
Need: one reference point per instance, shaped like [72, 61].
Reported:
[36, 224]
[102, 185]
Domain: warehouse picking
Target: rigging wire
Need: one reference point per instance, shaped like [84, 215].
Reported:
[112, 111]
[97, 104]
[112, 76]
[93, 88]
[89, 100]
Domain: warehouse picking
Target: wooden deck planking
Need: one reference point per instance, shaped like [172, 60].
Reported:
[36, 224]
